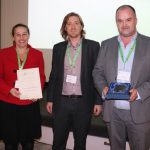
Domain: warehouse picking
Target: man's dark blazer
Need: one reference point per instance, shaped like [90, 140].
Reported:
[90, 51]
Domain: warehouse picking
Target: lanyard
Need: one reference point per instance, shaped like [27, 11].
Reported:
[129, 53]
[72, 62]
[24, 59]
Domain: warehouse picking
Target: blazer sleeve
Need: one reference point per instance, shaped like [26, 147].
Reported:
[53, 77]
[98, 72]
[141, 71]
[4, 87]
[98, 99]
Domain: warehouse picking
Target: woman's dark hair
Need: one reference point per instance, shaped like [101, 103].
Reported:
[19, 25]
[63, 27]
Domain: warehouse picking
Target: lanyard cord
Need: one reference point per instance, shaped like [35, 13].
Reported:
[129, 53]
[24, 59]
[72, 62]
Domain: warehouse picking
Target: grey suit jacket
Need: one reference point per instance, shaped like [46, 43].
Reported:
[105, 72]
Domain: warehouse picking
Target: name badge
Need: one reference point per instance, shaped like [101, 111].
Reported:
[123, 76]
[71, 79]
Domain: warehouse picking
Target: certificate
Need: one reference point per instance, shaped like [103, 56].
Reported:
[29, 84]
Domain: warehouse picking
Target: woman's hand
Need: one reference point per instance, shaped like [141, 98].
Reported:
[14, 92]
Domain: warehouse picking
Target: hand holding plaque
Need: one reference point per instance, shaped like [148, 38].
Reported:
[118, 91]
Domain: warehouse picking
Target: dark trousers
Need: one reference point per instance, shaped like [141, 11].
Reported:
[122, 126]
[71, 114]
[25, 146]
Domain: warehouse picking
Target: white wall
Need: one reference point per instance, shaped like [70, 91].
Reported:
[45, 19]
[12, 12]
[47, 54]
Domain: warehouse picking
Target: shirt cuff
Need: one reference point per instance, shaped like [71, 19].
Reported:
[138, 97]
[103, 96]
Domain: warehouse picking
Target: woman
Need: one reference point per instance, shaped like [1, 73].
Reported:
[20, 119]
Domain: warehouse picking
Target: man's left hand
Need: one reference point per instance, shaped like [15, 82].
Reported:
[134, 95]
[97, 109]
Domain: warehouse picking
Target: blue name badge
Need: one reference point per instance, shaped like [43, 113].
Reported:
[118, 91]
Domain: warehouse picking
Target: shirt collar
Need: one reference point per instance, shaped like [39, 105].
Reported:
[76, 46]
[132, 39]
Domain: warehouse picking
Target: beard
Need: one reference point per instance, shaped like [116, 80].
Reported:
[127, 33]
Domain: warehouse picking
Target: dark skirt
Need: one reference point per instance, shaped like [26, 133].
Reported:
[19, 123]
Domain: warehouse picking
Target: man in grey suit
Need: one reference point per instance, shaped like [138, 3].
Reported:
[126, 58]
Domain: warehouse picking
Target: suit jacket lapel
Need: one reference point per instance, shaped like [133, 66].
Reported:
[63, 51]
[83, 56]
[12, 57]
[62, 57]
[114, 53]
[139, 54]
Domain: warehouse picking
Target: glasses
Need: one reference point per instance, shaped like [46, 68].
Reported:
[24, 35]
